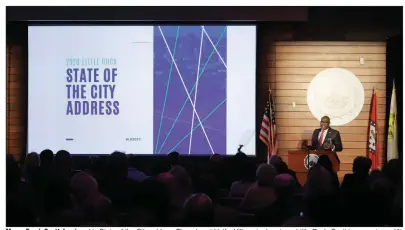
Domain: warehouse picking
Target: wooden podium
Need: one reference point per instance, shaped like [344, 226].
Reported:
[297, 161]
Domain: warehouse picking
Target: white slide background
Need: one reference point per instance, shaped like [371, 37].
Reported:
[49, 126]
[132, 47]
[241, 89]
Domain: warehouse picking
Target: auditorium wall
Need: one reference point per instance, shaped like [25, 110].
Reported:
[290, 55]
[16, 88]
[290, 67]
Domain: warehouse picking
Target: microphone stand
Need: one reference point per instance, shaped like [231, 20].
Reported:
[240, 148]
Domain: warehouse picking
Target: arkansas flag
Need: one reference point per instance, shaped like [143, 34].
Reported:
[373, 148]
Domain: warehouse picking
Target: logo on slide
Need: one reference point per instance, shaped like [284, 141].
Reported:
[190, 74]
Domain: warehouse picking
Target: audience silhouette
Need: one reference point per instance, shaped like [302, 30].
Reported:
[48, 190]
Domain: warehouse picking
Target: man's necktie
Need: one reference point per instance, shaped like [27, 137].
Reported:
[321, 137]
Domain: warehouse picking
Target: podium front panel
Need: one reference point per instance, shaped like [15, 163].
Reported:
[298, 159]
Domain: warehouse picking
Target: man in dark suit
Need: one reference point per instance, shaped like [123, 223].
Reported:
[326, 138]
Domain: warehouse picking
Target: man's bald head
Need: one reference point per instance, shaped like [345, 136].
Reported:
[83, 186]
[169, 181]
[319, 182]
[216, 158]
[284, 180]
[199, 210]
[275, 160]
[285, 184]
[98, 209]
[165, 177]
[265, 174]
[181, 176]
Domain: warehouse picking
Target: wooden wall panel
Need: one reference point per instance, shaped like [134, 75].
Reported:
[308, 78]
[303, 93]
[303, 100]
[326, 64]
[15, 125]
[304, 108]
[325, 48]
[324, 57]
[291, 65]
[314, 71]
[341, 129]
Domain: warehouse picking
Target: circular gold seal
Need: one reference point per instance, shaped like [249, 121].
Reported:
[337, 93]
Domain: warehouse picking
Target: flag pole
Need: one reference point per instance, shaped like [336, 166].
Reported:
[374, 156]
[392, 141]
[270, 124]
[376, 122]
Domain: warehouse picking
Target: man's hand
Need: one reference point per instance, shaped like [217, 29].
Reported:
[327, 146]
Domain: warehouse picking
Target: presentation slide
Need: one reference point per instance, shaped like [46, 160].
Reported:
[142, 89]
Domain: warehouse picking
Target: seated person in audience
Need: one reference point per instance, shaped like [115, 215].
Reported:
[151, 205]
[199, 211]
[183, 187]
[241, 187]
[216, 158]
[217, 167]
[262, 194]
[161, 166]
[236, 164]
[320, 200]
[224, 215]
[359, 177]
[84, 189]
[275, 160]
[52, 187]
[285, 206]
[281, 166]
[380, 210]
[134, 173]
[20, 205]
[171, 185]
[393, 171]
[298, 221]
[325, 162]
[116, 185]
[215, 164]
[46, 169]
[31, 167]
[54, 196]
[99, 212]
[63, 168]
[173, 159]
[63, 161]
[397, 209]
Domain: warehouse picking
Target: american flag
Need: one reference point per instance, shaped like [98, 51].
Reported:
[268, 129]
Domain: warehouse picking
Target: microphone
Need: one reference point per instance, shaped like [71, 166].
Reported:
[310, 147]
[306, 146]
[245, 140]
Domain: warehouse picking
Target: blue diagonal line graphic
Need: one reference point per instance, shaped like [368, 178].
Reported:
[196, 126]
[167, 89]
[192, 90]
